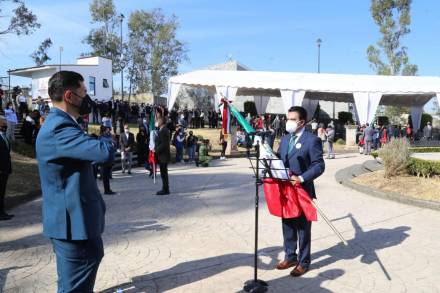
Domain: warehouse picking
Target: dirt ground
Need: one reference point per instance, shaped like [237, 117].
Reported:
[407, 185]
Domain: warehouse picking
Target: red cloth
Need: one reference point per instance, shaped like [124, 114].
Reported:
[287, 201]
[152, 160]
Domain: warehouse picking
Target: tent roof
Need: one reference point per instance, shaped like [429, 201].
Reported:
[262, 83]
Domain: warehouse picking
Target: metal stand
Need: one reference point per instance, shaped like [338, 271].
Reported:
[255, 285]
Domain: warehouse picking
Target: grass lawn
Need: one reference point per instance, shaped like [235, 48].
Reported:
[24, 180]
[407, 185]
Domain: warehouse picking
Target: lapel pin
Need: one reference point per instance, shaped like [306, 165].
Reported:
[298, 145]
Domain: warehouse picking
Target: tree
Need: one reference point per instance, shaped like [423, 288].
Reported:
[104, 39]
[40, 55]
[393, 18]
[153, 51]
[22, 21]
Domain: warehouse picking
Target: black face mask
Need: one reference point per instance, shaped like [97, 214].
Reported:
[86, 105]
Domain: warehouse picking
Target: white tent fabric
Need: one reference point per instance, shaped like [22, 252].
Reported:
[261, 103]
[416, 116]
[224, 91]
[366, 105]
[292, 98]
[366, 89]
[173, 92]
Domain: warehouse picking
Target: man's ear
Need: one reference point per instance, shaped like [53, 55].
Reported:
[67, 96]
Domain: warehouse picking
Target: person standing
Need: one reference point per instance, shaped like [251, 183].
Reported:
[368, 138]
[23, 106]
[106, 168]
[5, 169]
[11, 120]
[224, 144]
[162, 150]
[178, 140]
[191, 146]
[141, 147]
[301, 152]
[73, 208]
[126, 143]
[2, 96]
[330, 134]
[427, 131]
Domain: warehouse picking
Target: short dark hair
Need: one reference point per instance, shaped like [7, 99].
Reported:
[62, 81]
[301, 112]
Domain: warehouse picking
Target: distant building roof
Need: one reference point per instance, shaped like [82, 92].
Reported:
[232, 65]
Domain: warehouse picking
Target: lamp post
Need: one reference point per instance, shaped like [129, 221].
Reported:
[121, 19]
[61, 51]
[318, 42]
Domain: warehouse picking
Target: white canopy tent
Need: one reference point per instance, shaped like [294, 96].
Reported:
[306, 89]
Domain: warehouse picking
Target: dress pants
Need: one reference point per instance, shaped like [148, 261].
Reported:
[127, 160]
[164, 175]
[3, 181]
[77, 263]
[297, 231]
[106, 172]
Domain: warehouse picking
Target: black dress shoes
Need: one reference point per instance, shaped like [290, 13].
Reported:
[163, 192]
[5, 217]
[110, 192]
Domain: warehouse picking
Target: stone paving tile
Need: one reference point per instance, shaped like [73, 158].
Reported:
[200, 238]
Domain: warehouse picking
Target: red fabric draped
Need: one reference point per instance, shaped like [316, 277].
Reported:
[225, 116]
[287, 201]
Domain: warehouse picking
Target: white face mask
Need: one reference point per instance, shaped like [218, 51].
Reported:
[126, 130]
[291, 126]
[156, 124]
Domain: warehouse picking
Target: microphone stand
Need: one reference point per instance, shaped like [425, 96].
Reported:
[255, 285]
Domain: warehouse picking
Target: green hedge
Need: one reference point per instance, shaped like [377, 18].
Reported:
[340, 141]
[424, 168]
[425, 150]
[375, 154]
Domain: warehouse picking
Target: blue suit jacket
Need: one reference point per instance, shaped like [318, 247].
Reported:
[73, 207]
[305, 161]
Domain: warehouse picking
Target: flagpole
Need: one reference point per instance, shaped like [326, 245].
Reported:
[321, 213]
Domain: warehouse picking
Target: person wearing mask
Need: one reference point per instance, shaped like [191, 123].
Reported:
[126, 143]
[301, 152]
[5, 169]
[11, 120]
[141, 146]
[368, 139]
[162, 150]
[191, 146]
[330, 134]
[73, 208]
[179, 139]
[106, 168]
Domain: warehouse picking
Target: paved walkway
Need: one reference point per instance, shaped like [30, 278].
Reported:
[200, 239]
[427, 156]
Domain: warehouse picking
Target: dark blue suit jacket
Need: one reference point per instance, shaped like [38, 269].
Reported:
[73, 207]
[305, 161]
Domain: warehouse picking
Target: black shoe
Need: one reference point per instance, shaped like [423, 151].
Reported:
[129, 172]
[110, 192]
[123, 171]
[5, 217]
[163, 192]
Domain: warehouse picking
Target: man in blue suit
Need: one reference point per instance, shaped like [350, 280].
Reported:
[73, 209]
[301, 152]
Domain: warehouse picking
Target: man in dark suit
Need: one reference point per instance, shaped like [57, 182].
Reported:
[126, 142]
[301, 152]
[162, 150]
[5, 169]
[73, 208]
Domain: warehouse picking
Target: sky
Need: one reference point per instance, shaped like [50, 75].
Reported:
[263, 35]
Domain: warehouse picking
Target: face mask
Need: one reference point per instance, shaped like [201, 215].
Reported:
[86, 105]
[291, 126]
[126, 131]
[156, 124]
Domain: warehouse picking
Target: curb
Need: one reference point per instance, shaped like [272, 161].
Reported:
[345, 176]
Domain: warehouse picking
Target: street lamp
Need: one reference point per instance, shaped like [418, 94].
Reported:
[61, 51]
[318, 42]
[121, 19]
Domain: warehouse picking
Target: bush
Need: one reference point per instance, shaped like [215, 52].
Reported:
[424, 168]
[249, 107]
[395, 156]
[425, 150]
[375, 154]
[345, 117]
[340, 141]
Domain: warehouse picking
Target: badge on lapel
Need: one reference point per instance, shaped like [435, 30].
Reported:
[298, 145]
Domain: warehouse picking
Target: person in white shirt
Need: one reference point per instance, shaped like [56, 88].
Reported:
[23, 108]
[11, 120]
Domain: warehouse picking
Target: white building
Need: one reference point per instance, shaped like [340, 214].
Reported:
[96, 71]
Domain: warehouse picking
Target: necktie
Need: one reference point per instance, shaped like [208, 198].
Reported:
[292, 142]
